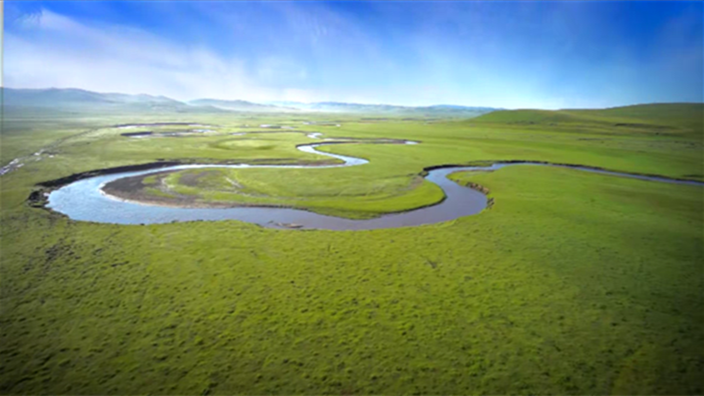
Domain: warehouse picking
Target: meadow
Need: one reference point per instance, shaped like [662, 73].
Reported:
[571, 283]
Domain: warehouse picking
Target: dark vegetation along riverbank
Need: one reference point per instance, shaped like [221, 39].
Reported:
[573, 283]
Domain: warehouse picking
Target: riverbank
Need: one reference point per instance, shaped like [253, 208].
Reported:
[135, 190]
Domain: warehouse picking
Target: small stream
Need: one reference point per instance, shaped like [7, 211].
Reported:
[84, 199]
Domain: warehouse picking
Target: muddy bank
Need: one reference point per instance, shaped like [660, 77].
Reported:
[106, 171]
[57, 183]
[135, 189]
[38, 197]
[132, 190]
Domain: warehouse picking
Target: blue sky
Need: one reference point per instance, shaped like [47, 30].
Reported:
[502, 54]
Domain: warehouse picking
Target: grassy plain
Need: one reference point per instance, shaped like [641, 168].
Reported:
[387, 184]
[572, 283]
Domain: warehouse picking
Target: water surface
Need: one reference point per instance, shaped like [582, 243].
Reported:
[84, 200]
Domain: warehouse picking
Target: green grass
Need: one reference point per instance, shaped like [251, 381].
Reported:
[572, 283]
[389, 183]
[329, 191]
[668, 118]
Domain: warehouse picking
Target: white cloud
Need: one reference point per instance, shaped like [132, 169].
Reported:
[55, 51]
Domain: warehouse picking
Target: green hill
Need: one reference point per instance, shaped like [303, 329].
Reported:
[658, 118]
[683, 115]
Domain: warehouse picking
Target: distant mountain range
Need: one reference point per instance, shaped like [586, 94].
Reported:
[342, 107]
[78, 100]
[239, 105]
[73, 100]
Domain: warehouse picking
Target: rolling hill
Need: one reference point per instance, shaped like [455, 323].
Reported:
[654, 118]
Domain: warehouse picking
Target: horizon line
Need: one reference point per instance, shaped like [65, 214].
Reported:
[268, 102]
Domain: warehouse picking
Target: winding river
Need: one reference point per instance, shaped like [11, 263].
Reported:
[84, 199]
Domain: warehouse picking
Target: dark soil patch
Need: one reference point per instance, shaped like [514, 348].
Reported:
[191, 178]
[637, 125]
[159, 124]
[134, 189]
[132, 134]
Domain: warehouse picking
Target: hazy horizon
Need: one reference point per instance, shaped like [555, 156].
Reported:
[502, 55]
[282, 102]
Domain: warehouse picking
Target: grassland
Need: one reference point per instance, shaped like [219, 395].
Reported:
[572, 283]
[597, 139]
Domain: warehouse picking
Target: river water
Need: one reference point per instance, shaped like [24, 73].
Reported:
[84, 200]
